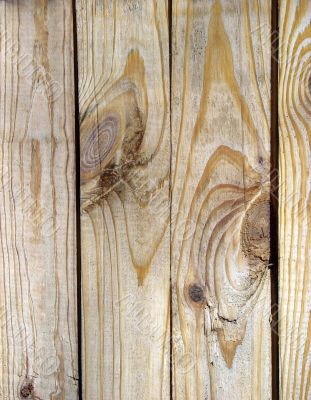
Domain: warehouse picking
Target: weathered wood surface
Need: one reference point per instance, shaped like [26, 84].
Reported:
[38, 346]
[186, 203]
[125, 167]
[220, 199]
[294, 199]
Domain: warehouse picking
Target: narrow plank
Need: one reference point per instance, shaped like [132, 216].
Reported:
[294, 199]
[38, 345]
[125, 167]
[220, 199]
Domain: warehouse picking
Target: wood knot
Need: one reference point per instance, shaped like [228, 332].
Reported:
[26, 389]
[98, 146]
[256, 233]
[111, 136]
[309, 84]
[196, 293]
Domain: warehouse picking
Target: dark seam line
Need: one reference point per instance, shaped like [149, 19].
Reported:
[170, 195]
[274, 199]
[78, 196]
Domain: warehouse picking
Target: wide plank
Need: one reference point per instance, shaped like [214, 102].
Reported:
[221, 340]
[38, 334]
[123, 51]
[294, 199]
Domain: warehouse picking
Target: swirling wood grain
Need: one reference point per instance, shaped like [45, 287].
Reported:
[220, 187]
[125, 167]
[294, 200]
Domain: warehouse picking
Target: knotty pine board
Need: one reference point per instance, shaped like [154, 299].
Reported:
[38, 334]
[220, 199]
[294, 199]
[123, 57]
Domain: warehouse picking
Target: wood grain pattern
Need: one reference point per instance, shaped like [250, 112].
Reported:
[38, 346]
[220, 199]
[125, 170]
[294, 199]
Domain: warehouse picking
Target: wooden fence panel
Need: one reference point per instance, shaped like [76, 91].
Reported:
[294, 199]
[175, 199]
[123, 50]
[220, 199]
[38, 334]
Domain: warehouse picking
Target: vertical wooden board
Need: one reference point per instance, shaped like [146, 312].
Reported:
[220, 199]
[294, 199]
[38, 345]
[125, 168]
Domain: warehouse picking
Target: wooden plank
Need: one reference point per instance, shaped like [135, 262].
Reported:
[220, 199]
[125, 166]
[38, 345]
[294, 199]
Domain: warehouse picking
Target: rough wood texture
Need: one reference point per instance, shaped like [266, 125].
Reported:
[220, 199]
[125, 166]
[294, 197]
[38, 351]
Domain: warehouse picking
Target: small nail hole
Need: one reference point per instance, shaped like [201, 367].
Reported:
[26, 390]
[196, 293]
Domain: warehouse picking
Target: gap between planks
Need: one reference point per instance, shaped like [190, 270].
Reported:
[78, 194]
[274, 198]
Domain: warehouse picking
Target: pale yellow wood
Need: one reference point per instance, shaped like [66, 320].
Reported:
[125, 170]
[220, 199]
[38, 346]
[294, 199]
